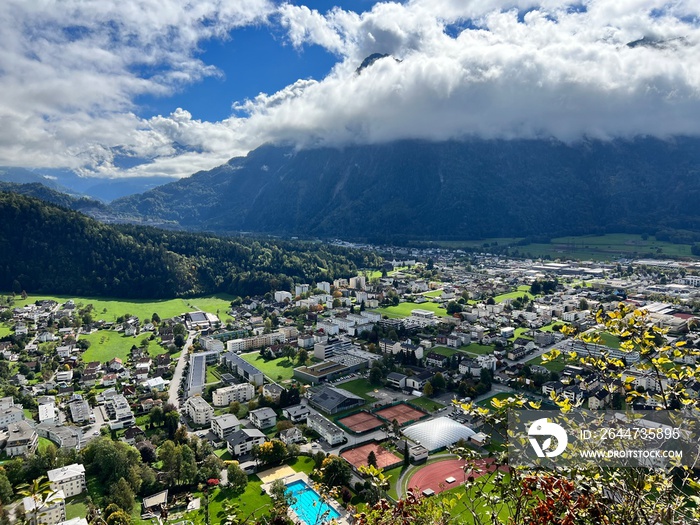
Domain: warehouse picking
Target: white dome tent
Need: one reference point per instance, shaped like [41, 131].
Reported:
[438, 433]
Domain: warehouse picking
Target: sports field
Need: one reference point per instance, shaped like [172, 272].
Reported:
[357, 456]
[361, 422]
[435, 475]
[402, 413]
[405, 309]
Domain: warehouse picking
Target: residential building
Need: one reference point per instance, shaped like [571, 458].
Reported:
[119, 412]
[242, 368]
[199, 410]
[242, 441]
[80, 411]
[296, 413]
[9, 413]
[226, 395]
[53, 510]
[329, 432]
[224, 426]
[292, 435]
[21, 439]
[48, 413]
[396, 380]
[272, 391]
[70, 479]
[418, 381]
[263, 417]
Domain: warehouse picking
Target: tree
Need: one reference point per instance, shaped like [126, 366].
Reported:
[6, 491]
[188, 466]
[169, 454]
[453, 307]
[428, 389]
[438, 382]
[41, 493]
[179, 341]
[118, 517]
[234, 408]
[272, 451]
[121, 494]
[302, 356]
[335, 471]
[237, 478]
[375, 375]
[372, 458]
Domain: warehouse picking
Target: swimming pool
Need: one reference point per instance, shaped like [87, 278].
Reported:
[308, 504]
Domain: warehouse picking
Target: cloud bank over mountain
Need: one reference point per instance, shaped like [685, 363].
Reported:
[72, 72]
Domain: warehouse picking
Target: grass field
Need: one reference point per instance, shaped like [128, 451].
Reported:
[253, 502]
[500, 397]
[426, 404]
[360, 387]
[5, 330]
[405, 309]
[44, 442]
[76, 507]
[278, 369]
[609, 340]
[109, 309]
[108, 344]
[434, 293]
[477, 349]
[522, 290]
[556, 365]
[443, 350]
[302, 464]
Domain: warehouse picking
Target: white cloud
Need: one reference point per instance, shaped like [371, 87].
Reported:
[70, 72]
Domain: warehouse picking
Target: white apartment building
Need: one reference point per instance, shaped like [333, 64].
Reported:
[70, 479]
[52, 511]
[226, 395]
[327, 430]
[224, 426]
[199, 410]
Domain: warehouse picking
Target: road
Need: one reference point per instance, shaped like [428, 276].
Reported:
[173, 396]
[92, 431]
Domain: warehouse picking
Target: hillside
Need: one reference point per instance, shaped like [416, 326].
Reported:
[56, 250]
[449, 190]
[52, 196]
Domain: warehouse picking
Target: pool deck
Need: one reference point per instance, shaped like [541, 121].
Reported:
[288, 479]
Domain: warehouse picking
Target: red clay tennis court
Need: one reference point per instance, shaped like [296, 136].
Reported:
[361, 422]
[402, 413]
[434, 475]
[357, 456]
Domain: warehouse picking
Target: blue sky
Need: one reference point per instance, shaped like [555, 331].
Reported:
[146, 88]
[254, 59]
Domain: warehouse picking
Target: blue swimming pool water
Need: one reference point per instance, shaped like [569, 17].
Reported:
[308, 505]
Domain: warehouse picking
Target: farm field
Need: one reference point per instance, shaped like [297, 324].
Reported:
[607, 247]
[405, 309]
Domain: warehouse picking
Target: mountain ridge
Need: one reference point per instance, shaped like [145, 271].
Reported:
[419, 189]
